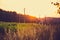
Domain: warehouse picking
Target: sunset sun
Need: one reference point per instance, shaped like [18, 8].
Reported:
[29, 19]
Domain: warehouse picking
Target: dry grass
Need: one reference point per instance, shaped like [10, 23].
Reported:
[28, 31]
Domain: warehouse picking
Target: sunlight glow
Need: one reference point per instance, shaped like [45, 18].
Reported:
[42, 16]
[33, 7]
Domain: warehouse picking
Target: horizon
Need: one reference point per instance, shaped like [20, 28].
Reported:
[29, 15]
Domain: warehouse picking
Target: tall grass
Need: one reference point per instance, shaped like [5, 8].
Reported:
[28, 31]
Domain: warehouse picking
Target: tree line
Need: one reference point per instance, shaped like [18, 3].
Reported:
[12, 16]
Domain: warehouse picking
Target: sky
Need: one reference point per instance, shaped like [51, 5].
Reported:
[38, 8]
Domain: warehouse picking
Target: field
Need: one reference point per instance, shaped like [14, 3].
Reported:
[28, 31]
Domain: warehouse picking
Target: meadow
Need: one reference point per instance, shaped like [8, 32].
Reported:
[28, 31]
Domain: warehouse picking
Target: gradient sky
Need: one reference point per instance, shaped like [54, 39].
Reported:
[33, 7]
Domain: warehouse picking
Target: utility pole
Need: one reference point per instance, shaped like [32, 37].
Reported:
[24, 11]
[24, 15]
[39, 19]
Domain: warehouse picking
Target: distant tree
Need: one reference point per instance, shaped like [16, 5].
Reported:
[12, 16]
[58, 6]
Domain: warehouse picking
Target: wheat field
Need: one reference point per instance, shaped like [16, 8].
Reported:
[28, 31]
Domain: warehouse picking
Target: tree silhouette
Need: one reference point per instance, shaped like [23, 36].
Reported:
[58, 6]
[12, 16]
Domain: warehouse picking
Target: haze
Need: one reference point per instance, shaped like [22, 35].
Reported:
[38, 8]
